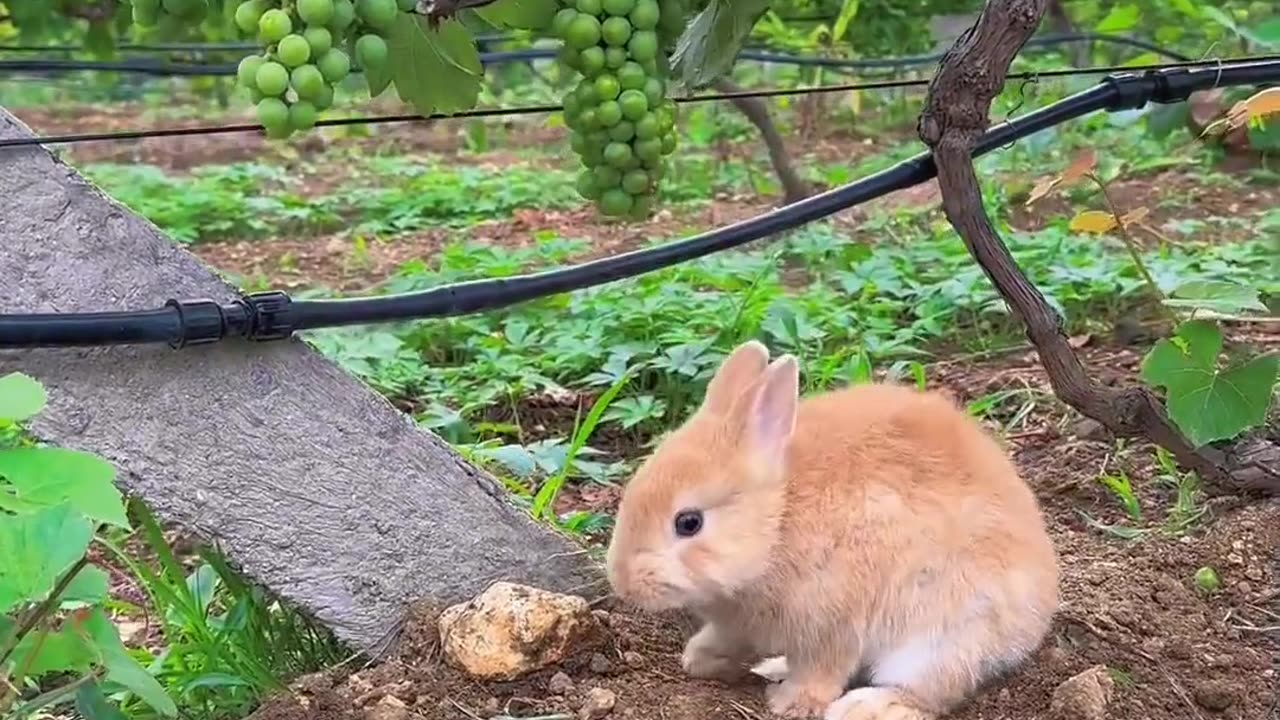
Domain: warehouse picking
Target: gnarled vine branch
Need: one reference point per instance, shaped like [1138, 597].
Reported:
[794, 188]
[956, 113]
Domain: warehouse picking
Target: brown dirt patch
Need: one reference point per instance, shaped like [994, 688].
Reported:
[1175, 653]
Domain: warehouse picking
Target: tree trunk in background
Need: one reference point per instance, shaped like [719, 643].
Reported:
[1060, 21]
[312, 484]
[793, 186]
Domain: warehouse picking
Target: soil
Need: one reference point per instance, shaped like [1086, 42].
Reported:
[1172, 651]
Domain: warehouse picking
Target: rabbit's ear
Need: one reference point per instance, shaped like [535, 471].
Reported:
[771, 418]
[741, 368]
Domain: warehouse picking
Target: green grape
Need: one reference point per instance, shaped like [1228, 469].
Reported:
[578, 143]
[631, 76]
[248, 14]
[587, 186]
[274, 25]
[615, 31]
[668, 143]
[618, 8]
[588, 120]
[648, 150]
[655, 91]
[303, 115]
[371, 51]
[293, 50]
[623, 131]
[647, 127]
[607, 177]
[320, 40]
[635, 182]
[306, 81]
[606, 87]
[618, 154]
[146, 13]
[185, 9]
[272, 79]
[571, 104]
[643, 45]
[590, 7]
[315, 12]
[561, 21]
[334, 65]
[615, 57]
[615, 202]
[247, 71]
[641, 207]
[344, 13]
[644, 16]
[583, 32]
[377, 14]
[274, 115]
[591, 61]
[670, 20]
[609, 113]
[324, 100]
[634, 104]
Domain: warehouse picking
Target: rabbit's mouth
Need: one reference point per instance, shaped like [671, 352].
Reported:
[656, 596]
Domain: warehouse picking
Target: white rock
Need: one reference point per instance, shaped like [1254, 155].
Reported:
[510, 630]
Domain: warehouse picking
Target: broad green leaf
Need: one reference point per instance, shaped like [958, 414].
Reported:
[521, 14]
[1208, 403]
[90, 587]
[1162, 120]
[56, 652]
[21, 397]
[49, 476]
[435, 70]
[848, 12]
[1121, 19]
[37, 549]
[122, 668]
[708, 47]
[1216, 295]
[93, 705]
[1268, 33]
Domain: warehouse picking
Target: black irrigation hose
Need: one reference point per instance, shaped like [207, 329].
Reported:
[274, 315]
[1028, 77]
[181, 69]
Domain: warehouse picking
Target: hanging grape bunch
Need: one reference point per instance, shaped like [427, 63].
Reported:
[292, 81]
[622, 123]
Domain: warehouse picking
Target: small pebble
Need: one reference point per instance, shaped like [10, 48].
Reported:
[633, 659]
[600, 664]
[1235, 558]
[389, 707]
[1244, 588]
[1254, 574]
[1214, 695]
[491, 707]
[560, 684]
[599, 703]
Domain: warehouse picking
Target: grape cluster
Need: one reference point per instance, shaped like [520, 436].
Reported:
[622, 123]
[292, 81]
[152, 13]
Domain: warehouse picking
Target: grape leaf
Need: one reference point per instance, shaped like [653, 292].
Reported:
[93, 705]
[46, 476]
[708, 47]
[435, 70]
[1208, 403]
[1215, 295]
[520, 14]
[1120, 19]
[122, 668]
[1268, 33]
[38, 548]
[20, 397]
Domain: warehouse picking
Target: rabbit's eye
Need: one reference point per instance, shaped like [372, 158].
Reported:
[688, 522]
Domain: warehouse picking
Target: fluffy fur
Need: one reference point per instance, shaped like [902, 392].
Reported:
[875, 531]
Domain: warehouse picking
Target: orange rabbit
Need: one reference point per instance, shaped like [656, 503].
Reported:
[876, 531]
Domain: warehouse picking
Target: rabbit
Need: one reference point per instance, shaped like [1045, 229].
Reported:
[873, 531]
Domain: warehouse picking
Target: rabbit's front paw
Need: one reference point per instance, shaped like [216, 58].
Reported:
[711, 655]
[792, 699]
[873, 703]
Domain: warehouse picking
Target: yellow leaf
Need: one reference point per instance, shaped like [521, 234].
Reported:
[1093, 221]
[855, 102]
[1255, 108]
